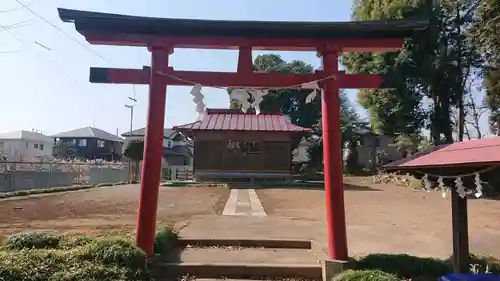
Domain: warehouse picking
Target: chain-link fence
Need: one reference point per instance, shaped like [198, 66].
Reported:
[31, 175]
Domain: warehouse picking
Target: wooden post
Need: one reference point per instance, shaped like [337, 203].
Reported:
[153, 150]
[334, 186]
[460, 233]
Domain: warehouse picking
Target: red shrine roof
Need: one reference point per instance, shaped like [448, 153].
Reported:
[468, 153]
[235, 120]
[103, 23]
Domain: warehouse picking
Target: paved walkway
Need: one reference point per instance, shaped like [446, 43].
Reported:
[243, 202]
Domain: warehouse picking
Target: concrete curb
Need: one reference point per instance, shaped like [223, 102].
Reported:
[248, 243]
[242, 270]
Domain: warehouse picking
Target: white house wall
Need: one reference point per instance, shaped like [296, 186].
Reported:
[24, 150]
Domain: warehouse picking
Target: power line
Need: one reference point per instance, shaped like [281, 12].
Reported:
[39, 55]
[15, 25]
[9, 52]
[64, 32]
[11, 10]
[70, 37]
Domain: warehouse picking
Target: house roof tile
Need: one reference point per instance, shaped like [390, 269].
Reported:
[230, 120]
[142, 132]
[89, 132]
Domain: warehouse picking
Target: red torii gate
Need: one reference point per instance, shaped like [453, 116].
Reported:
[161, 36]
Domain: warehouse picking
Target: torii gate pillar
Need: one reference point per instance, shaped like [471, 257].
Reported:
[332, 156]
[153, 151]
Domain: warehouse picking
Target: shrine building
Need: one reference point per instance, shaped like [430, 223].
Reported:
[231, 145]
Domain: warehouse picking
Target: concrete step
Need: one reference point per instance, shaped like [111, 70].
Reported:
[239, 270]
[245, 255]
[192, 278]
[251, 243]
[240, 262]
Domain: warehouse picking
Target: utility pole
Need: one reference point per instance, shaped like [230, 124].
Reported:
[131, 107]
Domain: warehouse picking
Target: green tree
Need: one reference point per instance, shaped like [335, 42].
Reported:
[134, 150]
[487, 32]
[435, 64]
[291, 102]
[395, 110]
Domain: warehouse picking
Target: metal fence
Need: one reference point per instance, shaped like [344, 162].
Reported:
[32, 175]
[35, 175]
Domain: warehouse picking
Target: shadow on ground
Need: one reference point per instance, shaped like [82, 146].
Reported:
[305, 185]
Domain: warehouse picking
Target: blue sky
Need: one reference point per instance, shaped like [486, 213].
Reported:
[48, 90]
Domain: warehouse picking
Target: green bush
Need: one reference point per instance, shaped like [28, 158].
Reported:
[32, 265]
[116, 252]
[405, 266]
[91, 271]
[164, 240]
[42, 257]
[33, 240]
[78, 241]
[57, 265]
[365, 275]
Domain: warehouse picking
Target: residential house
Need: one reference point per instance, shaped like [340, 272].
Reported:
[25, 146]
[89, 143]
[177, 148]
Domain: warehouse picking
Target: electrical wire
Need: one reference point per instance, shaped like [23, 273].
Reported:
[83, 45]
[63, 32]
[39, 55]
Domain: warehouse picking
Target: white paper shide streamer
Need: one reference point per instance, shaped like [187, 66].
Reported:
[460, 187]
[313, 85]
[442, 186]
[427, 182]
[459, 184]
[243, 97]
[479, 185]
[198, 100]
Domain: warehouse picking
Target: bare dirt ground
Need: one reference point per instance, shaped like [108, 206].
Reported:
[389, 218]
[111, 209]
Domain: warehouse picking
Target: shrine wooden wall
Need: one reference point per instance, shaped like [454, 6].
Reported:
[211, 152]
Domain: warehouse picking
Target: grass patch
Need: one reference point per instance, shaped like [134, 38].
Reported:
[405, 266]
[35, 256]
[365, 275]
[54, 189]
[164, 240]
[32, 240]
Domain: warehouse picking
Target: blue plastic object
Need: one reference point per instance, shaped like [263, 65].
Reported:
[470, 277]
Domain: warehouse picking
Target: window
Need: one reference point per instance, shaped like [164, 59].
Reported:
[41, 146]
[35, 145]
[100, 143]
[70, 141]
[82, 142]
[1, 144]
[27, 145]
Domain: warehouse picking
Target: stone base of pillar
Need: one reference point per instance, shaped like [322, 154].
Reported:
[330, 268]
